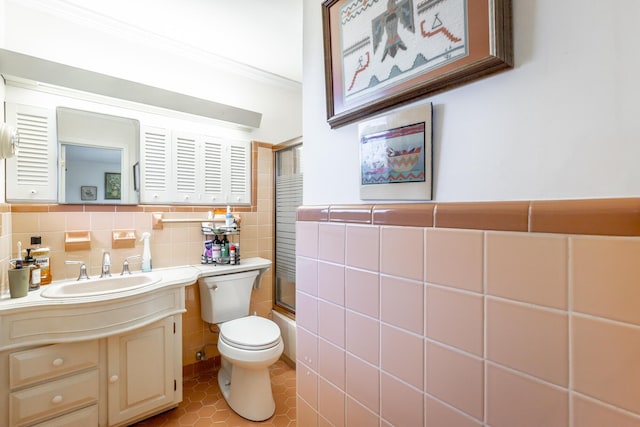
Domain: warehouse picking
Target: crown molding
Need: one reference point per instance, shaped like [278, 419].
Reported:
[68, 11]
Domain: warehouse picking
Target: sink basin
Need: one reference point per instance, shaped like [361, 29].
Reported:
[108, 285]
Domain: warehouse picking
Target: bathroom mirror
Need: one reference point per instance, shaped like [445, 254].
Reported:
[97, 157]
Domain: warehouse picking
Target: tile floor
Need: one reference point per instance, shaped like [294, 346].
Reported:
[204, 406]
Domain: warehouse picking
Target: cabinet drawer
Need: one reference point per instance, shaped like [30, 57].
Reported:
[38, 364]
[53, 398]
[86, 417]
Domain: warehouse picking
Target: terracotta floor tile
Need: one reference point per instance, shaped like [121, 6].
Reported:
[203, 405]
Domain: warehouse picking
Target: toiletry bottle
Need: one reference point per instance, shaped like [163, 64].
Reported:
[207, 254]
[232, 254]
[34, 271]
[216, 251]
[224, 248]
[146, 253]
[41, 257]
[228, 218]
[35, 276]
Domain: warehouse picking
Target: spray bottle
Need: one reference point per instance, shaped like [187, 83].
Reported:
[146, 253]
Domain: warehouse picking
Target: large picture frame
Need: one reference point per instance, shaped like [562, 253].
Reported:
[380, 54]
[396, 155]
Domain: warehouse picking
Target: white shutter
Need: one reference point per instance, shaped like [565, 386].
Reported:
[213, 171]
[31, 174]
[185, 167]
[155, 166]
[239, 173]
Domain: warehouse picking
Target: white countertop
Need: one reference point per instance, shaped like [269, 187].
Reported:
[171, 277]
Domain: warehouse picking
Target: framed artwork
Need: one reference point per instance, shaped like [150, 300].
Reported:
[380, 54]
[112, 185]
[396, 155]
[88, 192]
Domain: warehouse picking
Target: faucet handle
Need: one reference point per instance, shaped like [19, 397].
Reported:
[106, 265]
[125, 264]
[83, 269]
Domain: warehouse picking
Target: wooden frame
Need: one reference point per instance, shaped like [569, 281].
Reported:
[380, 54]
[396, 155]
[112, 185]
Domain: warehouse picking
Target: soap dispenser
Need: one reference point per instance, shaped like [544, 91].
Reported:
[146, 253]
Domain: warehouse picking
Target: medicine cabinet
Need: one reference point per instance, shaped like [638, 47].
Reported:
[70, 156]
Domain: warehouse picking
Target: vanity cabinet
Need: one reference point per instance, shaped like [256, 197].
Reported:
[181, 167]
[54, 383]
[31, 174]
[141, 370]
[112, 381]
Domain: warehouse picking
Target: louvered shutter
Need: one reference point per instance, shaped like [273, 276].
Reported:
[239, 172]
[31, 174]
[213, 171]
[155, 170]
[185, 167]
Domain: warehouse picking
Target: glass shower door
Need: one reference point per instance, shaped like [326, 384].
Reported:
[288, 197]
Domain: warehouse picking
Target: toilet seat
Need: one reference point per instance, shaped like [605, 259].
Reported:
[250, 333]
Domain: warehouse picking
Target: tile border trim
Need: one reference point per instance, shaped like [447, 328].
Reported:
[606, 217]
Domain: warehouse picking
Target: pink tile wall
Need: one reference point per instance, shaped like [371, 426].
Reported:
[440, 327]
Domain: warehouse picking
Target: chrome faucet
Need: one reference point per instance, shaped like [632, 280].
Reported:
[106, 265]
[83, 269]
[125, 264]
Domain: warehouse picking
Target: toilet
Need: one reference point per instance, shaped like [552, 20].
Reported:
[248, 344]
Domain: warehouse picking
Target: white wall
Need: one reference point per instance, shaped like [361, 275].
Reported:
[563, 123]
[33, 28]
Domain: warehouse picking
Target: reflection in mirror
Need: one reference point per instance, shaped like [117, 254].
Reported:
[84, 173]
[97, 153]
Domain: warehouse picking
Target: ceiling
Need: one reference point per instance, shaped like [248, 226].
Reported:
[264, 34]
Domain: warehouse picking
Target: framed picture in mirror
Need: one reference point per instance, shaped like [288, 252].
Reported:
[112, 185]
[88, 192]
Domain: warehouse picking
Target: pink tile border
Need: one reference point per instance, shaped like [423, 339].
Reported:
[613, 217]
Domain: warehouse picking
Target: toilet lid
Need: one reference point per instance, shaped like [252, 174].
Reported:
[250, 333]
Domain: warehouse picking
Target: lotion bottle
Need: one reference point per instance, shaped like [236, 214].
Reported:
[146, 253]
[228, 219]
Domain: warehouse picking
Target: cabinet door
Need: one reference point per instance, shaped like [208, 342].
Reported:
[140, 371]
[213, 170]
[31, 174]
[155, 168]
[238, 162]
[186, 168]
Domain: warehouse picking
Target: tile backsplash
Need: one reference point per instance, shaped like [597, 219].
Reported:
[466, 327]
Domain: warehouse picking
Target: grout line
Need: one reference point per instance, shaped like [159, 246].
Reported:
[485, 368]
[570, 329]
[526, 375]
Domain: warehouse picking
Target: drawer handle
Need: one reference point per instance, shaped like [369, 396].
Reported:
[56, 399]
[58, 362]
[113, 378]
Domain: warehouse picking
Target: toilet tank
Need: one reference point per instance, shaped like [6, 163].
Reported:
[226, 297]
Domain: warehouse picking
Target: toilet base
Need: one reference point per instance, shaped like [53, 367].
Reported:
[247, 391]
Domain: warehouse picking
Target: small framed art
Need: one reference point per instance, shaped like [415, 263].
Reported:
[396, 155]
[112, 185]
[88, 192]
